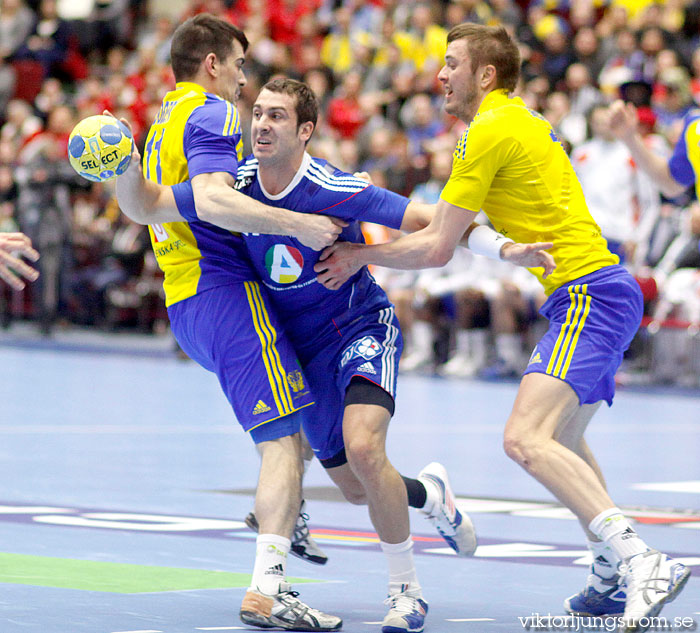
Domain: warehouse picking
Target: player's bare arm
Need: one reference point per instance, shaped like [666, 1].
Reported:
[430, 247]
[14, 246]
[217, 202]
[439, 229]
[623, 123]
[144, 201]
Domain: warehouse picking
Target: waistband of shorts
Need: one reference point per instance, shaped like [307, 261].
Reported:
[602, 274]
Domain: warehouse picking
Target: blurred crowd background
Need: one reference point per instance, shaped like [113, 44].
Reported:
[373, 66]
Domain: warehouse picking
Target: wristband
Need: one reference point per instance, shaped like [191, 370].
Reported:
[485, 241]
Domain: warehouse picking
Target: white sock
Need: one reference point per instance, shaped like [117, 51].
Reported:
[422, 338]
[402, 571]
[604, 559]
[270, 563]
[613, 528]
[509, 349]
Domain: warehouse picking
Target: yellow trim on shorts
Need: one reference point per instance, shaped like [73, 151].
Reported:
[576, 316]
[267, 334]
[257, 426]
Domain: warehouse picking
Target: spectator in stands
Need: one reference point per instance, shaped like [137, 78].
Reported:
[49, 42]
[16, 23]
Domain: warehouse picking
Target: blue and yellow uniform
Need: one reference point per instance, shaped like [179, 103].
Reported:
[510, 163]
[684, 164]
[338, 335]
[218, 311]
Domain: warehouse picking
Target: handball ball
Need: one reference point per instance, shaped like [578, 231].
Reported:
[99, 148]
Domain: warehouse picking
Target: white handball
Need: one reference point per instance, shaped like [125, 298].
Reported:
[99, 148]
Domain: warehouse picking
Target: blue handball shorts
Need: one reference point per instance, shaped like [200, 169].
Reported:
[592, 321]
[369, 347]
[230, 331]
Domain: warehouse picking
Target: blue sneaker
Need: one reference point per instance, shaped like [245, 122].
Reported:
[599, 597]
[456, 528]
[406, 614]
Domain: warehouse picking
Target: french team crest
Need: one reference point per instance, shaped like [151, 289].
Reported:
[367, 347]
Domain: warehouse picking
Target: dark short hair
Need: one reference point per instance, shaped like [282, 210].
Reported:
[490, 45]
[195, 38]
[305, 102]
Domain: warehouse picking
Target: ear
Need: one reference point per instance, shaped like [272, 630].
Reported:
[211, 65]
[488, 76]
[306, 130]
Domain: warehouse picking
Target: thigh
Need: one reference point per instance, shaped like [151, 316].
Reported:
[370, 349]
[231, 331]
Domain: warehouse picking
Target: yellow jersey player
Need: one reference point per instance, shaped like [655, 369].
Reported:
[510, 164]
[217, 309]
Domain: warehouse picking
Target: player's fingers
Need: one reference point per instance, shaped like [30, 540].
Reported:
[29, 252]
[325, 254]
[338, 222]
[11, 279]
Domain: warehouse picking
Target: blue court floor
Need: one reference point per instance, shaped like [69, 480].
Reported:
[125, 480]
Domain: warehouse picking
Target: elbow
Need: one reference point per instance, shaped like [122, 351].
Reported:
[438, 256]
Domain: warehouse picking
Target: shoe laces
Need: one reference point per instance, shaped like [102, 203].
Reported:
[401, 603]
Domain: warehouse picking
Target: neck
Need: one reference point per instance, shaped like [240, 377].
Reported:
[275, 175]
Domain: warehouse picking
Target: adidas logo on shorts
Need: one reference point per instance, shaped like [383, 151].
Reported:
[367, 368]
[261, 407]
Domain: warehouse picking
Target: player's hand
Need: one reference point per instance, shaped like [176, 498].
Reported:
[134, 167]
[319, 231]
[622, 119]
[530, 256]
[13, 246]
[337, 264]
[363, 175]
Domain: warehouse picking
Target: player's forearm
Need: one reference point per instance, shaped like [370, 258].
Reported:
[143, 201]
[229, 209]
[654, 165]
[422, 249]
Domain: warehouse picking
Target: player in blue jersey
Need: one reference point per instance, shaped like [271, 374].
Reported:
[348, 341]
[218, 310]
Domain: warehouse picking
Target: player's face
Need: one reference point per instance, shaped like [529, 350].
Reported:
[231, 76]
[462, 97]
[273, 129]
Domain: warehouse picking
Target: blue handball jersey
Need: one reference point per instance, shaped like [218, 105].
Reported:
[286, 267]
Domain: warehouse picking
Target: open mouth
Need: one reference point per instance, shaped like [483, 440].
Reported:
[264, 141]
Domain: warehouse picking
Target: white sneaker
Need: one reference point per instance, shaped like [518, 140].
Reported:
[456, 528]
[406, 614]
[416, 360]
[284, 611]
[458, 366]
[653, 579]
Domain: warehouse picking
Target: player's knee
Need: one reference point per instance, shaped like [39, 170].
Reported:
[355, 496]
[520, 448]
[364, 457]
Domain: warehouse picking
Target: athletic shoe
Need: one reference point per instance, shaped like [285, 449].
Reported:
[284, 611]
[303, 544]
[406, 614]
[456, 528]
[600, 596]
[653, 579]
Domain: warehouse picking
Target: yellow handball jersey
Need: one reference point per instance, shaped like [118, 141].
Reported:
[684, 164]
[195, 132]
[510, 163]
